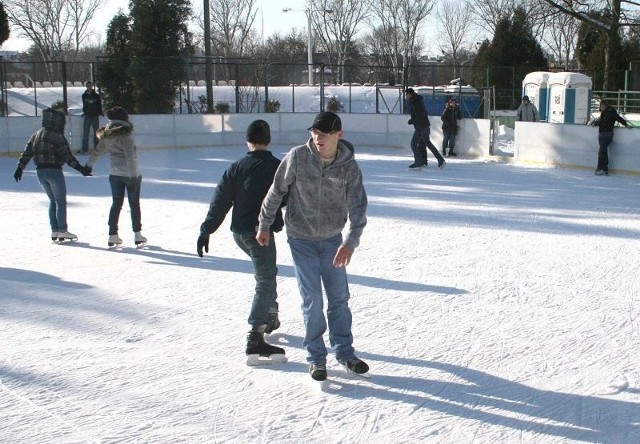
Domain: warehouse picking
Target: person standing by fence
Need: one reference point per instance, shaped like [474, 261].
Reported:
[450, 117]
[91, 111]
[605, 123]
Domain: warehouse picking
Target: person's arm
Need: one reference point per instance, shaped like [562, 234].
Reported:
[282, 181]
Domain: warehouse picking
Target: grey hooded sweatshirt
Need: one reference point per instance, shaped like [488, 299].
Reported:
[320, 198]
[117, 140]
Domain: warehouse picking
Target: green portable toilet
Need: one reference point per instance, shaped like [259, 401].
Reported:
[569, 97]
[535, 85]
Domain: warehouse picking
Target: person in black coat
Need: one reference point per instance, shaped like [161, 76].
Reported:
[605, 123]
[420, 139]
[243, 186]
[450, 116]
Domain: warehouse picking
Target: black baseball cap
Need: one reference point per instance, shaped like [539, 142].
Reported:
[326, 122]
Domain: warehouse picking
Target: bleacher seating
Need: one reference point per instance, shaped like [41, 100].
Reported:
[18, 84]
[202, 83]
[8, 85]
[77, 83]
[46, 84]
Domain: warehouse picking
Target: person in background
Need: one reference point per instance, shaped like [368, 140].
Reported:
[116, 139]
[243, 186]
[450, 116]
[322, 183]
[91, 111]
[605, 123]
[527, 111]
[50, 151]
[420, 139]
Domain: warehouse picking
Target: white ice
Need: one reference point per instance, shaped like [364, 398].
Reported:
[495, 303]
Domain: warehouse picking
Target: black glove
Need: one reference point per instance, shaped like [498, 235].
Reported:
[410, 122]
[18, 174]
[84, 170]
[203, 242]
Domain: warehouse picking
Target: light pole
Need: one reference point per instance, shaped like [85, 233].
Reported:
[309, 37]
[207, 55]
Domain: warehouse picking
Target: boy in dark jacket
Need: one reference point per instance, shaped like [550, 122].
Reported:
[91, 111]
[608, 118]
[243, 186]
[50, 151]
[450, 117]
[420, 140]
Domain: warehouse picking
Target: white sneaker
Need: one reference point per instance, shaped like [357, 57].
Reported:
[139, 239]
[65, 235]
[114, 240]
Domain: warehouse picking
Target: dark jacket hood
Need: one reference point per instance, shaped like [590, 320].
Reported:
[54, 120]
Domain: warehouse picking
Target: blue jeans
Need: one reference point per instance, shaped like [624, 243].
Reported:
[118, 186]
[313, 265]
[448, 140]
[265, 272]
[88, 124]
[604, 140]
[53, 183]
[419, 142]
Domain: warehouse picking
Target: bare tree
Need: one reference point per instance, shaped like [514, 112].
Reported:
[231, 22]
[336, 30]
[486, 14]
[400, 22]
[57, 28]
[620, 14]
[561, 37]
[454, 21]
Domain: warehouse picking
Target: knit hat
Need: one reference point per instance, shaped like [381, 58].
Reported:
[118, 113]
[326, 122]
[525, 98]
[259, 133]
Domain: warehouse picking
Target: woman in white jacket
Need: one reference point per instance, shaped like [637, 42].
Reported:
[117, 140]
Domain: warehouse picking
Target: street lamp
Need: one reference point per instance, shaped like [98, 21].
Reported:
[309, 36]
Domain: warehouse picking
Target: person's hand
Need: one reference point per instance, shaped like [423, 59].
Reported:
[88, 168]
[410, 122]
[85, 170]
[18, 174]
[343, 256]
[203, 244]
[263, 238]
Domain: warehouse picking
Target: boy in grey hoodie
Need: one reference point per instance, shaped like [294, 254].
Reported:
[323, 186]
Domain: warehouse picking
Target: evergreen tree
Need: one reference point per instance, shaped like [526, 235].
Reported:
[4, 25]
[114, 74]
[160, 46]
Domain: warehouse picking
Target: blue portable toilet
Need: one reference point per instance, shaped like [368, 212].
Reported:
[535, 85]
[569, 97]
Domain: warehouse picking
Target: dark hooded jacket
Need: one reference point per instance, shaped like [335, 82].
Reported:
[419, 115]
[48, 147]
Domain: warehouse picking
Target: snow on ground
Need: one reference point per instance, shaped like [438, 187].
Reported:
[495, 304]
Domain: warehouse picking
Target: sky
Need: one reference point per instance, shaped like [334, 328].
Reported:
[495, 303]
[271, 19]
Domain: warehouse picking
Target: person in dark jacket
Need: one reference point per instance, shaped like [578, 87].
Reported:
[420, 139]
[50, 151]
[243, 186]
[608, 118]
[91, 110]
[450, 116]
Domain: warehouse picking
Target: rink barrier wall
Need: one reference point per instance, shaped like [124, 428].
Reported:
[575, 146]
[168, 131]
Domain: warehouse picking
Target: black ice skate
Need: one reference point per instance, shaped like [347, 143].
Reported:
[318, 372]
[261, 353]
[357, 366]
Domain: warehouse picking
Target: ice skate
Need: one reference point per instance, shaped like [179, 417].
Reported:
[357, 366]
[66, 236]
[114, 241]
[54, 237]
[139, 239]
[318, 372]
[260, 353]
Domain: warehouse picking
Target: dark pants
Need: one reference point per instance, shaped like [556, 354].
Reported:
[119, 185]
[89, 124]
[265, 272]
[604, 139]
[419, 142]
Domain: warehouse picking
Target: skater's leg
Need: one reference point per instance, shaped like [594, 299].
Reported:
[265, 272]
[54, 185]
[117, 194]
[307, 268]
[416, 149]
[337, 290]
[133, 186]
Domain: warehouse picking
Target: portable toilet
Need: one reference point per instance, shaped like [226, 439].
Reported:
[569, 97]
[535, 85]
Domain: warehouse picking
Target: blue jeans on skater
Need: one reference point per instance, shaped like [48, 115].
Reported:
[265, 272]
[313, 266]
[88, 124]
[120, 184]
[53, 183]
[448, 140]
[419, 142]
[604, 140]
